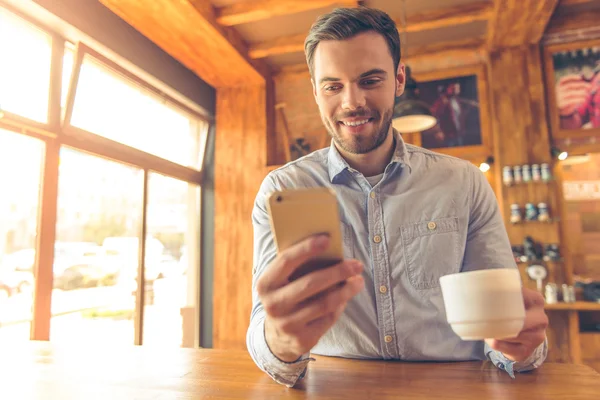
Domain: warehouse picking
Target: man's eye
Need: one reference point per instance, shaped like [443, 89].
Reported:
[332, 88]
[370, 82]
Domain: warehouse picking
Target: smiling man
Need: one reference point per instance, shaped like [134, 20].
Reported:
[409, 217]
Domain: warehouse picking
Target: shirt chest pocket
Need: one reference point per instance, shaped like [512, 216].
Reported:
[430, 250]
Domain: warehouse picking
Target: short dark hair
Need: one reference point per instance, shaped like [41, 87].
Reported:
[345, 23]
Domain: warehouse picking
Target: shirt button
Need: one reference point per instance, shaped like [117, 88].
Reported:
[372, 195]
[501, 366]
[377, 239]
[383, 289]
[388, 339]
[431, 226]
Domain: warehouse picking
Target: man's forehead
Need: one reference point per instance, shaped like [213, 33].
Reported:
[352, 57]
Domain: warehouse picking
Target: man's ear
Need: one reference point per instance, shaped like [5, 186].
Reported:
[314, 88]
[400, 79]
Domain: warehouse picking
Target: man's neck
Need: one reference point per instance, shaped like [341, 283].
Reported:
[374, 162]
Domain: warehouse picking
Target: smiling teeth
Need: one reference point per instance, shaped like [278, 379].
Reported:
[357, 123]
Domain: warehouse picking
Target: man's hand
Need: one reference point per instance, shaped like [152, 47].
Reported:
[532, 334]
[301, 311]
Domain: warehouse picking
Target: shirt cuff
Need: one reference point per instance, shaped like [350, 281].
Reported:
[534, 361]
[285, 373]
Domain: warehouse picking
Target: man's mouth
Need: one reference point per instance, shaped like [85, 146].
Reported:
[356, 122]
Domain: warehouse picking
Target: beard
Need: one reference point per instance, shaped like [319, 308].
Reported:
[360, 143]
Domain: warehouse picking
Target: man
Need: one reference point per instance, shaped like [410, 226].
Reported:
[409, 216]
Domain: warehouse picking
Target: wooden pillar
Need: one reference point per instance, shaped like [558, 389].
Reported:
[521, 134]
[240, 160]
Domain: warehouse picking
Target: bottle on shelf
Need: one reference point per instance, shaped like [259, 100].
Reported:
[507, 176]
[515, 214]
[543, 213]
[517, 175]
[531, 212]
[526, 173]
[536, 174]
[546, 173]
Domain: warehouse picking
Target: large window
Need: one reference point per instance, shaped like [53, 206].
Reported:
[95, 264]
[171, 258]
[25, 52]
[121, 173]
[20, 172]
[134, 116]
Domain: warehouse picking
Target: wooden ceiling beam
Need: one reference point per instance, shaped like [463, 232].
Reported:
[189, 32]
[243, 13]
[436, 47]
[566, 28]
[281, 45]
[449, 16]
[518, 23]
[568, 3]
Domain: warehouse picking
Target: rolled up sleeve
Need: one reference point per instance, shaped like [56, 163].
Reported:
[264, 252]
[488, 247]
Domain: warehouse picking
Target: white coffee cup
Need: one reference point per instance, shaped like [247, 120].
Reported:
[484, 304]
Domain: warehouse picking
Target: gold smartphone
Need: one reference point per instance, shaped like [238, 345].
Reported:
[296, 214]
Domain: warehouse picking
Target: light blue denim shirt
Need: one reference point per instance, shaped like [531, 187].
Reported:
[435, 215]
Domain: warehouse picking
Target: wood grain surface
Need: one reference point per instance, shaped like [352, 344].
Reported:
[41, 370]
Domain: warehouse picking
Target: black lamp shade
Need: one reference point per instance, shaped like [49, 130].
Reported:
[410, 113]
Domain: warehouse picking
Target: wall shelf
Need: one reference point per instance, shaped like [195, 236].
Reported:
[577, 306]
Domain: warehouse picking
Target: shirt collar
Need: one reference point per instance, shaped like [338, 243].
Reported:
[337, 164]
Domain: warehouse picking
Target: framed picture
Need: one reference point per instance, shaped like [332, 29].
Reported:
[458, 99]
[573, 88]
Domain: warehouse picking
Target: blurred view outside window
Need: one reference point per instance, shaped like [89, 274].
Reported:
[95, 261]
[26, 53]
[112, 107]
[21, 160]
[172, 257]
[100, 201]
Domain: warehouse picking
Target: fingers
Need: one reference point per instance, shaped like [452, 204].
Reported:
[518, 349]
[277, 274]
[322, 306]
[532, 298]
[535, 318]
[512, 351]
[285, 299]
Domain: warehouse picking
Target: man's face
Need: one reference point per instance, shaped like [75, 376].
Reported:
[355, 86]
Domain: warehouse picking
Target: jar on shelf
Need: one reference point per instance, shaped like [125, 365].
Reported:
[507, 175]
[552, 252]
[568, 292]
[551, 294]
[517, 175]
[526, 173]
[515, 214]
[546, 173]
[531, 212]
[543, 213]
[536, 173]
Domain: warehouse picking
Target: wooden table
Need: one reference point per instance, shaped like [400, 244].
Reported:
[40, 370]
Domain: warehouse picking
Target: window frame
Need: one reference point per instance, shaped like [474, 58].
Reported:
[59, 133]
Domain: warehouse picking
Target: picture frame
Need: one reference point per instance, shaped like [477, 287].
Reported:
[473, 106]
[572, 80]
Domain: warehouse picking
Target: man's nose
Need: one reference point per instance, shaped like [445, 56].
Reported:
[353, 98]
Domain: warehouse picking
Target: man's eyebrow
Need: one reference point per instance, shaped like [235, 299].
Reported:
[374, 71]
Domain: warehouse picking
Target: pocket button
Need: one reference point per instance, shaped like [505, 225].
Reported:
[432, 226]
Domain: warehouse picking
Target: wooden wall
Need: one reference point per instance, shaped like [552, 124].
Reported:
[240, 159]
[521, 137]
